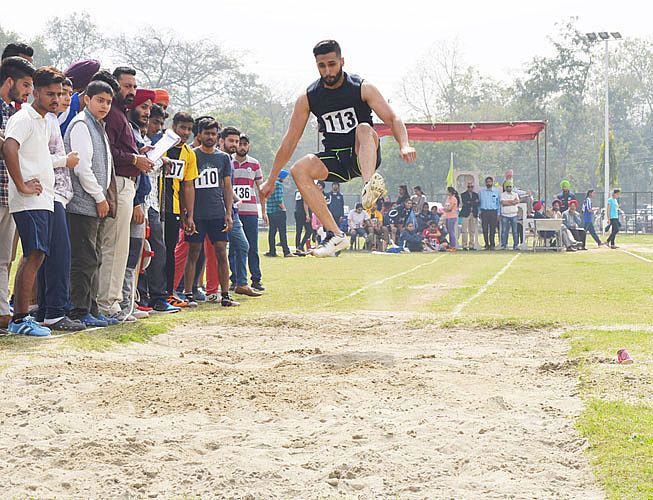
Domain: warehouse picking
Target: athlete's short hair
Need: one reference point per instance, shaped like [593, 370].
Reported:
[207, 124]
[104, 75]
[47, 75]
[15, 68]
[157, 112]
[227, 131]
[98, 87]
[182, 117]
[17, 49]
[326, 47]
[123, 70]
[197, 122]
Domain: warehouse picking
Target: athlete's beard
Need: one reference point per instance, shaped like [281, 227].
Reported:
[332, 80]
[14, 94]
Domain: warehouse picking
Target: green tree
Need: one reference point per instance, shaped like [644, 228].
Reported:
[73, 38]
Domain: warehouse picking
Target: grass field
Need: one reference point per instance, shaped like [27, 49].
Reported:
[600, 300]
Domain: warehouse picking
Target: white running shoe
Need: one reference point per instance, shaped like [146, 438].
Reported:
[331, 245]
[373, 189]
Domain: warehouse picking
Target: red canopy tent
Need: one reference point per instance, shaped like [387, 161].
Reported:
[478, 131]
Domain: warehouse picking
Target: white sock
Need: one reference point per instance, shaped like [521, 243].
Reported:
[52, 321]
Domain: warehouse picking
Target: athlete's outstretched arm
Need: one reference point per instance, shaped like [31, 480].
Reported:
[289, 143]
[379, 105]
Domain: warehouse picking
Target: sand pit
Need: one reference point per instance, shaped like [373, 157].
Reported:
[278, 408]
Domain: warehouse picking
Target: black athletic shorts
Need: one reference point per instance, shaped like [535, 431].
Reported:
[342, 164]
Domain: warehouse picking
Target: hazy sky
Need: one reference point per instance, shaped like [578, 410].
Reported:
[381, 40]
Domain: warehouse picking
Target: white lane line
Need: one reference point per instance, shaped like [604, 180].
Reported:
[384, 280]
[458, 309]
[636, 256]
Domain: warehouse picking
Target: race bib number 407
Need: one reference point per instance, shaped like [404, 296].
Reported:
[342, 121]
[243, 192]
[208, 178]
[177, 169]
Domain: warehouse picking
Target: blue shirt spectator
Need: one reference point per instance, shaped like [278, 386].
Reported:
[274, 203]
[489, 199]
[336, 202]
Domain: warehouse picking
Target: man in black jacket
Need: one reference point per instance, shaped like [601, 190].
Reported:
[469, 214]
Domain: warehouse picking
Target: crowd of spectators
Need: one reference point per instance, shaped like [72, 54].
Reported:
[92, 203]
[495, 212]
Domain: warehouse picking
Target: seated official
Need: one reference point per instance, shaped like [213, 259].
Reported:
[357, 219]
[572, 221]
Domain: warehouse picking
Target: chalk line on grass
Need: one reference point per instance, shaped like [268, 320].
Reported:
[384, 280]
[458, 309]
[636, 256]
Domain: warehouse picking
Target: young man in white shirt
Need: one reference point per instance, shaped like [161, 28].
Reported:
[15, 86]
[509, 212]
[31, 189]
[53, 278]
[357, 219]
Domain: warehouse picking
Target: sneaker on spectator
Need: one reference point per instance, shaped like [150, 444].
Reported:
[199, 295]
[176, 302]
[331, 244]
[111, 321]
[373, 189]
[92, 322]
[138, 314]
[66, 324]
[27, 326]
[246, 290]
[189, 299]
[228, 302]
[213, 298]
[160, 306]
[124, 317]
[256, 285]
[146, 309]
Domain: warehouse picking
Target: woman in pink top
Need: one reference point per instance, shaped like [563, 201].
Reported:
[451, 215]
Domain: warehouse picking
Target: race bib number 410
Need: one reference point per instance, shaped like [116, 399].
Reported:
[208, 178]
[243, 192]
[177, 169]
[342, 121]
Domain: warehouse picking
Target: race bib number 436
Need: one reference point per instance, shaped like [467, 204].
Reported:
[342, 121]
[177, 169]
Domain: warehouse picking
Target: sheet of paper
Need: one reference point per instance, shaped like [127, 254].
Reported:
[169, 140]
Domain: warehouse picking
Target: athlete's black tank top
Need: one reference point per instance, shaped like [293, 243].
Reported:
[339, 111]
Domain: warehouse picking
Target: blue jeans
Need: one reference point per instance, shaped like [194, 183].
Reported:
[250, 226]
[54, 275]
[238, 250]
[589, 229]
[507, 222]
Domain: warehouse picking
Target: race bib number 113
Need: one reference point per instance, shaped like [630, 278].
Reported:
[342, 121]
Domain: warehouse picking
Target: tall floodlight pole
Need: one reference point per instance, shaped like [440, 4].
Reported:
[606, 152]
[606, 37]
